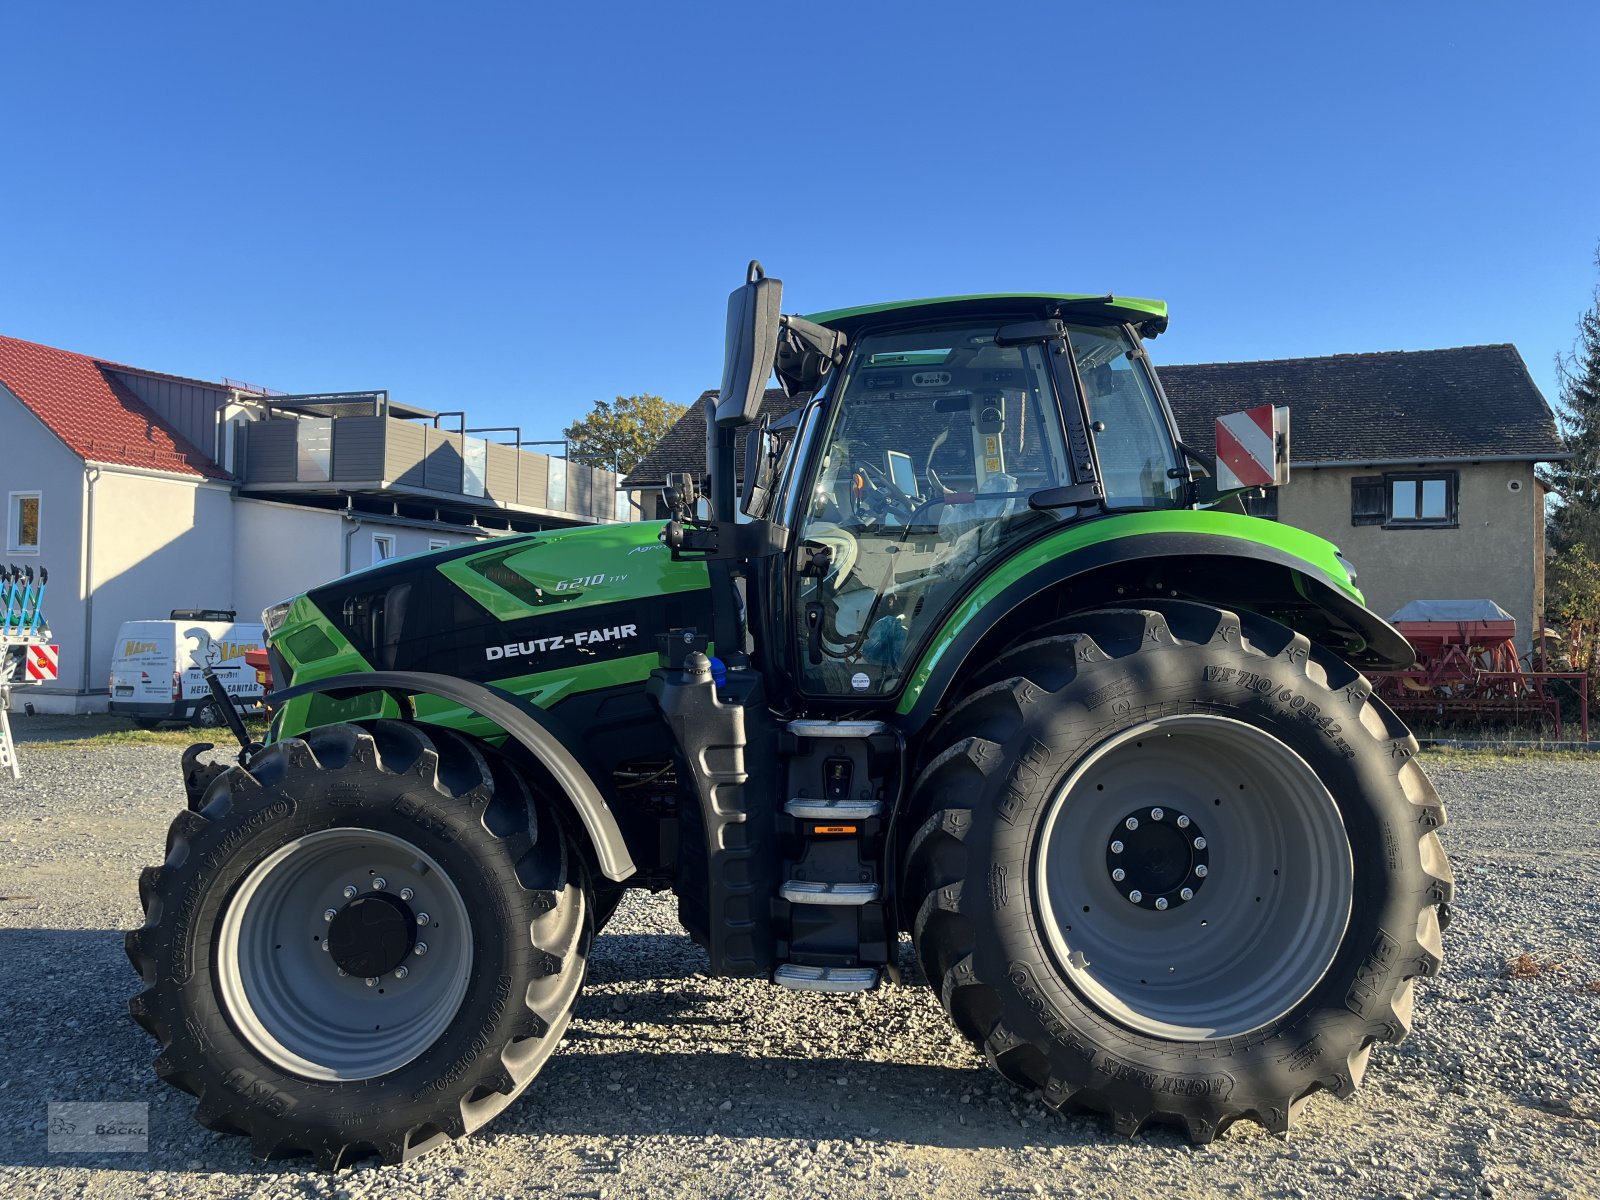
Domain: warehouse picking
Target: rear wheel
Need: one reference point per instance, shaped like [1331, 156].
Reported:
[367, 943]
[1176, 865]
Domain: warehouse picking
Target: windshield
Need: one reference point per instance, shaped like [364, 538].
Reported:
[1130, 429]
[934, 441]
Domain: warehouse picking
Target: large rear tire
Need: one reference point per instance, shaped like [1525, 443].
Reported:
[368, 943]
[1176, 865]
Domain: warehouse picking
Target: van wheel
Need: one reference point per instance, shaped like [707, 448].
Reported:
[208, 716]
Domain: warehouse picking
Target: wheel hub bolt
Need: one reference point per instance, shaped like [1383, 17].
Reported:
[401, 972]
[343, 974]
[372, 981]
[420, 948]
[406, 893]
[327, 946]
[422, 918]
[351, 891]
[379, 883]
[329, 914]
[1158, 859]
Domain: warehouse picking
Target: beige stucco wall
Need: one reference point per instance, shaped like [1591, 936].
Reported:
[158, 544]
[282, 549]
[1492, 554]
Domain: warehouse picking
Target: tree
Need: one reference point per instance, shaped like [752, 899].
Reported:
[1574, 576]
[1575, 517]
[620, 432]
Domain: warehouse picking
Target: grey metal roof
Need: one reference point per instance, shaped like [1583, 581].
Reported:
[1460, 404]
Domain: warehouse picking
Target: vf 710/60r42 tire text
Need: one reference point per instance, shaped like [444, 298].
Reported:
[1175, 864]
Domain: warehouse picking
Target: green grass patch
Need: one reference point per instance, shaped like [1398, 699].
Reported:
[180, 738]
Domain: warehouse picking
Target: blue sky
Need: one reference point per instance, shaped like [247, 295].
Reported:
[519, 209]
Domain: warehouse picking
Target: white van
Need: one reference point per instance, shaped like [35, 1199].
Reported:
[157, 667]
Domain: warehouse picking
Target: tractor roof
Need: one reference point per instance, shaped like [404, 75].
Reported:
[1149, 315]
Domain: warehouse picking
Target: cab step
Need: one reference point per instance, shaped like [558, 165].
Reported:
[815, 891]
[807, 809]
[837, 729]
[826, 979]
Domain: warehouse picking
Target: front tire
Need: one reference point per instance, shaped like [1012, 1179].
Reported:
[367, 943]
[1193, 975]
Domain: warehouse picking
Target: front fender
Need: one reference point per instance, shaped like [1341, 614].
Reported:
[1221, 558]
[522, 722]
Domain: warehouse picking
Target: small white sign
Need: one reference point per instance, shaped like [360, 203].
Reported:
[860, 682]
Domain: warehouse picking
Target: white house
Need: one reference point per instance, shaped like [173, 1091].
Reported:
[142, 492]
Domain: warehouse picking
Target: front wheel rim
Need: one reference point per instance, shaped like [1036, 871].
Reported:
[1248, 923]
[295, 918]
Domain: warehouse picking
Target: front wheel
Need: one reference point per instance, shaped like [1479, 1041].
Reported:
[1176, 865]
[367, 943]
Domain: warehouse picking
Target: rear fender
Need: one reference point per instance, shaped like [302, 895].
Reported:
[1231, 572]
[525, 724]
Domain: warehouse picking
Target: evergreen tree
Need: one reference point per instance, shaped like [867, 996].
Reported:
[1575, 516]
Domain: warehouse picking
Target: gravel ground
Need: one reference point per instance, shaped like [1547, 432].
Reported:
[670, 1082]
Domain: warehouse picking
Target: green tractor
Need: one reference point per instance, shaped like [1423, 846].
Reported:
[970, 654]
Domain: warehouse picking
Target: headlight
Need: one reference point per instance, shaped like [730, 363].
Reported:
[274, 616]
[1350, 567]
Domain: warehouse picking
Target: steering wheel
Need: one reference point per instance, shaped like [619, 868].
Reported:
[875, 495]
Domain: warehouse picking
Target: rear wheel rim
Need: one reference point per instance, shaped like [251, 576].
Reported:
[283, 991]
[1269, 888]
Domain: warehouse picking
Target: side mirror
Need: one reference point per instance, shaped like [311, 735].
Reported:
[1253, 448]
[753, 324]
[760, 467]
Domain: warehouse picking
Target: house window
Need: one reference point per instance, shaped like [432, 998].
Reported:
[437, 543]
[22, 523]
[382, 547]
[1414, 500]
[1422, 500]
[1261, 503]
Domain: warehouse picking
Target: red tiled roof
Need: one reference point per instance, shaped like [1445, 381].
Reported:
[94, 413]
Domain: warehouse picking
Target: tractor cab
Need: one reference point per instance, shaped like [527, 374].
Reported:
[942, 446]
[929, 440]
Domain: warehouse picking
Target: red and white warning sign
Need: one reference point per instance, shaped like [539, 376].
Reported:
[44, 662]
[1250, 447]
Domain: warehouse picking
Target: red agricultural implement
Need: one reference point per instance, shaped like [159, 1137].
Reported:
[1468, 669]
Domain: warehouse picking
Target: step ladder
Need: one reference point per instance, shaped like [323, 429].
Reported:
[8, 749]
[27, 658]
[834, 929]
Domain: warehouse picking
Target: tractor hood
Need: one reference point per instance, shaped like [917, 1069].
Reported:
[572, 608]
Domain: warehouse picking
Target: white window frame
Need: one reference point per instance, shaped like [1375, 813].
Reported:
[382, 539]
[439, 544]
[14, 522]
